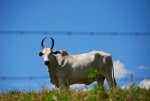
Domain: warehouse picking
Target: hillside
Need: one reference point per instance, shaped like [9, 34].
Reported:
[96, 94]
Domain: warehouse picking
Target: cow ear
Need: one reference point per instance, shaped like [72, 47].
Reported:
[40, 54]
[56, 52]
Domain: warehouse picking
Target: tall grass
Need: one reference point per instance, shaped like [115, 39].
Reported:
[133, 93]
[98, 93]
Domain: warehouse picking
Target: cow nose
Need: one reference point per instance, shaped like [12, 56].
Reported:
[46, 62]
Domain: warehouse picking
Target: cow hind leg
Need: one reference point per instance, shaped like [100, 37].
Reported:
[110, 81]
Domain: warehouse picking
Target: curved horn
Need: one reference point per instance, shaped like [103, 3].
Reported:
[52, 46]
[42, 43]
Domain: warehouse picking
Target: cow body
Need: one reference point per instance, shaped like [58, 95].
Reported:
[65, 69]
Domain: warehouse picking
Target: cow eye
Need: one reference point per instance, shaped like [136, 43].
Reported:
[40, 54]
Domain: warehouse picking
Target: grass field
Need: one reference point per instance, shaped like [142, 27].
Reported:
[96, 94]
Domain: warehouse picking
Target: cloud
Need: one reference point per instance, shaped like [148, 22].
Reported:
[143, 67]
[53, 87]
[120, 70]
[77, 86]
[82, 87]
[145, 83]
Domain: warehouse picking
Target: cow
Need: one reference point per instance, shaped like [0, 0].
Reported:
[66, 69]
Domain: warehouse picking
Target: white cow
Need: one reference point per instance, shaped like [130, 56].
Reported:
[65, 69]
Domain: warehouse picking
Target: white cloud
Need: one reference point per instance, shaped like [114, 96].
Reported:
[145, 83]
[82, 87]
[120, 70]
[143, 67]
[77, 86]
[54, 87]
[73, 87]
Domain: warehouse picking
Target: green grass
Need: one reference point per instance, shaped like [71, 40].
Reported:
[96, 94]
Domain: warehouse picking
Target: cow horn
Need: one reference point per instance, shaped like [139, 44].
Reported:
[52, 46]
[42, 43]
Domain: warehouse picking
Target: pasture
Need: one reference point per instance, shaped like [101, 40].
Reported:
[133, 93]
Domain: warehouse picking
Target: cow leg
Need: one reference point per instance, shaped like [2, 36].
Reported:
[63, 83]
[100, 81]
[110, 80]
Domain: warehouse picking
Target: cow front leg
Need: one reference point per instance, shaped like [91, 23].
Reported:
[100, 81]
[63, 83]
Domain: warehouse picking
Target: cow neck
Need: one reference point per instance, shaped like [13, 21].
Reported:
[52, 72]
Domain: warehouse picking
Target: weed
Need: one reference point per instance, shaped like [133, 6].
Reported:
[98, 93]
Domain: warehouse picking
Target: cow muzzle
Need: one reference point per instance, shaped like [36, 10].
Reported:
[46, 62]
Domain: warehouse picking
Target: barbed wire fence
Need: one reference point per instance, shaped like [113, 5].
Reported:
[25, 32]
[23, 77]
[6, 78]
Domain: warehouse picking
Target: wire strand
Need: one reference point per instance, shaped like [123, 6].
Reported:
[23, 32]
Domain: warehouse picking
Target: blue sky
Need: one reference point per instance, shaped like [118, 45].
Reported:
[19, 53]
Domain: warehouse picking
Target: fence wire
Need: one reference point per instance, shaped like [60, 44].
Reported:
[23, 77]
[23, 32]
[8, 78]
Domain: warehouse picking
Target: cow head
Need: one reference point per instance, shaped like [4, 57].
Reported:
[48, 53]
